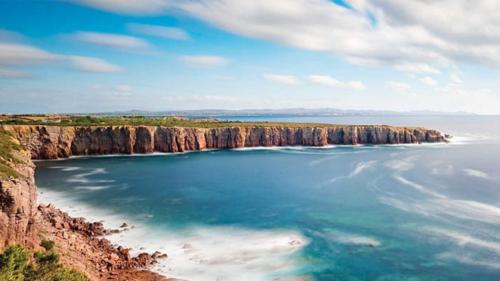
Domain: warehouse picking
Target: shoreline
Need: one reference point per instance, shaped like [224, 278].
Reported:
[456, 140]
[193, 253]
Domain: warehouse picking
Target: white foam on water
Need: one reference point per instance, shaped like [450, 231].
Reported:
[418, 187]
[476, 173]
[92, 187]
[198, 253]
[361, 167]
[465, 239]
[402, 165]
[469, 259]
[444, 206]
[351, 238]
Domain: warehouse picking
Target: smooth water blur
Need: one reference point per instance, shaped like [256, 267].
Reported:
[404, 212]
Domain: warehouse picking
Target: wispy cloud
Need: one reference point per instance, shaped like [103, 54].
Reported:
[204, 60]
[417, 68]
[330, 81]
[22, 54]
[13, 53]
[282, 79]
[417, 36]
[428, 81]
[130, 7]
[166, 32]
[111, 40]
[91, 64]
[12, 73]
[398, 86]
[455, 78]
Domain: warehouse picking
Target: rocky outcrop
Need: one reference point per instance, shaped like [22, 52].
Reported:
[85, 249]
[51, 142]
[81, 244]
[18, 203]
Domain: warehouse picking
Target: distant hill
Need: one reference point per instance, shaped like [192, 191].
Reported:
[277, 112]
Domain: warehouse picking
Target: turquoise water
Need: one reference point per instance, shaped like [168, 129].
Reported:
[409, 212]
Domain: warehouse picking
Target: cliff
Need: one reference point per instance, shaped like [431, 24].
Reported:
[51, 142]
[81, 244]
[17, 194]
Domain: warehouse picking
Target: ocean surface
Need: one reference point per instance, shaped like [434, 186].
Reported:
[389, 212]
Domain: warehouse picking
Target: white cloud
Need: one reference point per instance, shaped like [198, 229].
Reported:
[12, 73]
[397, 32]
[428, 81]
[159, 31]
[21, 54]
[417, 68]
[111, 40]
[282, 79]
[330, 81]
[398, 86]
[204, 60]
[405, 34]
[91, 64]
[455, 78]
[131, 7]
[122, 90]
[13, 53]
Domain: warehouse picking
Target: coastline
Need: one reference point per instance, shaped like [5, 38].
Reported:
[194, 253]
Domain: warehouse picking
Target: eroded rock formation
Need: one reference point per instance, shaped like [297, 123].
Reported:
[51, 142]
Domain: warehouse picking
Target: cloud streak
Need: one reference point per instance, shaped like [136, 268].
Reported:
[91, 64]
[204, 60]
[326, 80]
[282, 79]
[111, 40]
[165, 32]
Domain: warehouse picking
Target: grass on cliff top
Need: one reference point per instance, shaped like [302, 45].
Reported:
[67, 120]
[8, 147]
[15, 265]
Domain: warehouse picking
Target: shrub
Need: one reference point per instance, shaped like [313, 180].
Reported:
[15, 266]
[48, 245]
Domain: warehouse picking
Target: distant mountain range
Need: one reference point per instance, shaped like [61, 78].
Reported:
[277, 112]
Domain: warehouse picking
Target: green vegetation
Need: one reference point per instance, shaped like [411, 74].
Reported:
[68, 120]
[8, 147]
[15, 265]
[48, 245]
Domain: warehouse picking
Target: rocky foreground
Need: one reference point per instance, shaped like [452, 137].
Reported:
[83, 245]
[51, 142]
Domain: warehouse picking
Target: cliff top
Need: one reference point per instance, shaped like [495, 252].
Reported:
[9, 155]
[68, 120]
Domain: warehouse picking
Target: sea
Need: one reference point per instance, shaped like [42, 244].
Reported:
[359, 212]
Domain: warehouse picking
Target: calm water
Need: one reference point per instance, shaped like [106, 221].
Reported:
[409, 212]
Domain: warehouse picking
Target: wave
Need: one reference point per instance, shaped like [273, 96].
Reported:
[92, 187]
[476, 173]
[444, 206]
[361, 167]
[198, 252]
[351, 238]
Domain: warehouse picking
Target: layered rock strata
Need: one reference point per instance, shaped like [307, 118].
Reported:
[51, 142]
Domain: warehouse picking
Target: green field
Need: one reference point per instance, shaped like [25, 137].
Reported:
[68, 120]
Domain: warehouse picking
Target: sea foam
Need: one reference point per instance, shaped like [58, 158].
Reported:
[198, 252]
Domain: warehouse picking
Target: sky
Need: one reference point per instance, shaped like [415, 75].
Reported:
[112, 55]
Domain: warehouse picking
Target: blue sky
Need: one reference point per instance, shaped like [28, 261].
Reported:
[105, 55]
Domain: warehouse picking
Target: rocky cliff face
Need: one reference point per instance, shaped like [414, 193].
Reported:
[18, 203]
[51, 142]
